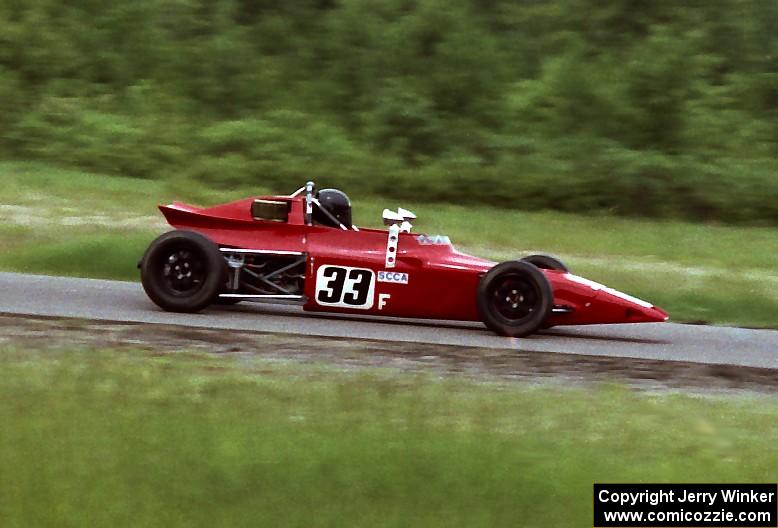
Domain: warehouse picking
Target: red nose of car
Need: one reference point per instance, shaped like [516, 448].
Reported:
[627, 308]
[646, 315]
[595, 303]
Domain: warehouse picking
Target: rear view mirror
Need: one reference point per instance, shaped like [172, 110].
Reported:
[406, 214]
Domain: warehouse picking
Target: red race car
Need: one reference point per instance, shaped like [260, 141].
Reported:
[304, 249]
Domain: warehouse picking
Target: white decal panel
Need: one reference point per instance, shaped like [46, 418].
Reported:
[345, 287]
[394, 277]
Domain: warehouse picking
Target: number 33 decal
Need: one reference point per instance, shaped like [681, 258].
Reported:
[345, 287]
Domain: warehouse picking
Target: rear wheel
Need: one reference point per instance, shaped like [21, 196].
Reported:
[182, 271]
[514, 299]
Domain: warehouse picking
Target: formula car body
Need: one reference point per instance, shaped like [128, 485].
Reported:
[273, 250]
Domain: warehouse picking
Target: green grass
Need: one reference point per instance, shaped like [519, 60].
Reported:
[66, 222]
[105, 438]
[719, 274]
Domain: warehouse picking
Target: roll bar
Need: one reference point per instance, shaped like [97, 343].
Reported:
[310, 201]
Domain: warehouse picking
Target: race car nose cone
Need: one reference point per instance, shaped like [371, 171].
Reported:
[629, 309]
[607, 305]
[641, 314]
[660, 315]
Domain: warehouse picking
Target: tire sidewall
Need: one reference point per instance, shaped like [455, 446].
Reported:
[151, 273]
[528, 324]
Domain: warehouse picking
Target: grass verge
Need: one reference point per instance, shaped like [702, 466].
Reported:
[68, 222]
[102, 438]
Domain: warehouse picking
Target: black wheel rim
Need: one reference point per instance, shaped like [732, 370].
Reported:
[183, 270]
[514, 298]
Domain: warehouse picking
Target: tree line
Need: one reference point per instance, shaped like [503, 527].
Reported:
[635, 107]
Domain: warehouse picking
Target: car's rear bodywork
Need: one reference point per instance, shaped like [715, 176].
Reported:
[367, 271]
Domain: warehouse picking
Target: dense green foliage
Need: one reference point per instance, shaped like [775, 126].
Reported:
[115, 439]
[638, 107]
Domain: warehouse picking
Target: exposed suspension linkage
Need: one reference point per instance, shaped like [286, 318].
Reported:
[255, 274]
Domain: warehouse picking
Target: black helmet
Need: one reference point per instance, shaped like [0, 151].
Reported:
[337, 204]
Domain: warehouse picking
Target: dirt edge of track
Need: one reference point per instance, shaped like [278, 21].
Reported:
[445, 360]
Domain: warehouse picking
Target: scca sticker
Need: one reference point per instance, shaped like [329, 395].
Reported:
[393, 276]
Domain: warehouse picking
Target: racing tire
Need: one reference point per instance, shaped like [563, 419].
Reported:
[183, 271]
[514, 299]
[547, 262]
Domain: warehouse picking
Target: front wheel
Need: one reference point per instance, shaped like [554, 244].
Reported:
[548, 262]
[182, 271]
[514, 299]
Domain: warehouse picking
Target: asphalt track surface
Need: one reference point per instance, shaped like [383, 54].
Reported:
[126, 302]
